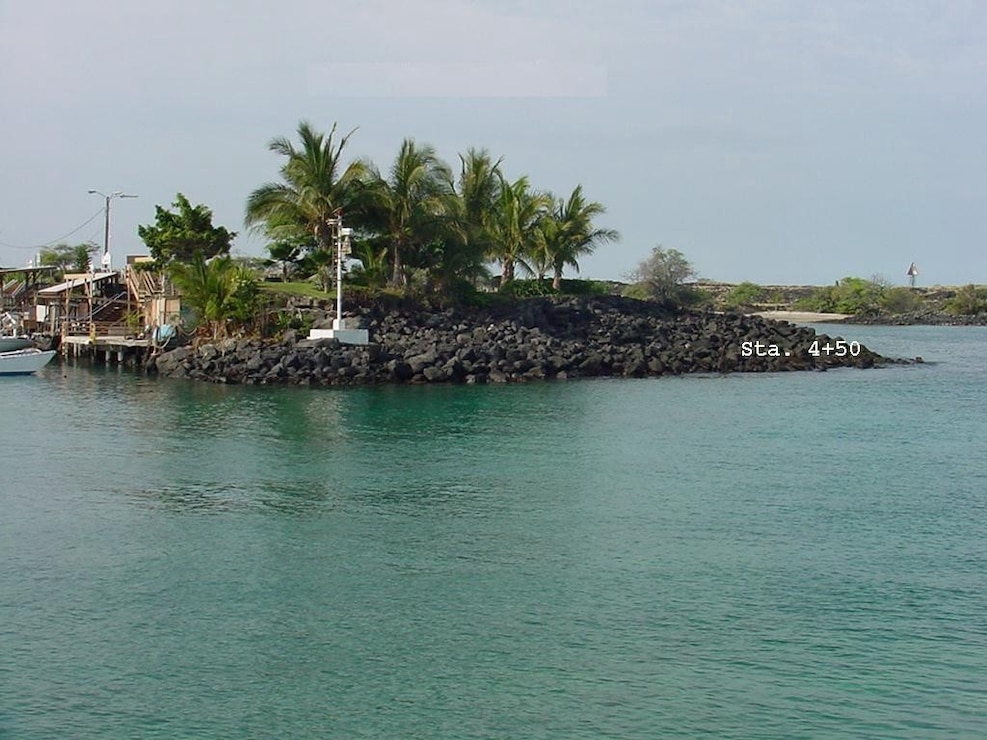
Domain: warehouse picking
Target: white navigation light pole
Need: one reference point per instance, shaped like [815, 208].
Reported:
[912, 274]
[339, 331]
[106, 262]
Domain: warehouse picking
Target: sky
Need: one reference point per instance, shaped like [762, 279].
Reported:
[776, 142]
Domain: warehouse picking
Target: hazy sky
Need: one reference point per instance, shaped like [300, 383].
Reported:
[779, 142]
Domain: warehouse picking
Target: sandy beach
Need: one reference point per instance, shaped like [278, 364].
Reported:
[802, 317]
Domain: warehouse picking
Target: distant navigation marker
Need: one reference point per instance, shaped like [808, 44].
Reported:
[912, 273]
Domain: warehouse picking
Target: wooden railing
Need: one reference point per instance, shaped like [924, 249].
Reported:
[12, 292]
[107, 319]
[81, 327]
[143, 284]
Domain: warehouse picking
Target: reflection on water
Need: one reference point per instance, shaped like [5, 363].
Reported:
[216, 497]
[767, 556]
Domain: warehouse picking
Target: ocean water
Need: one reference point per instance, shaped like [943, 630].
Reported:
[771, 556]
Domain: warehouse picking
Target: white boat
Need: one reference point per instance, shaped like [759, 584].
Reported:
[24, 361]
[9, 344]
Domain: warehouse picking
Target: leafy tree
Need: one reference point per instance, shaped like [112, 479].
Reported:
[516, 225]
[568, 234]
[410, 203]
[220, 292]
[68, 258]
[183, 235]
[243, 299]
[662, 275]
[315, 187]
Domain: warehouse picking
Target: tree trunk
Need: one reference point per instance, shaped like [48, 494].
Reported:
[557, 280]
[397, 276]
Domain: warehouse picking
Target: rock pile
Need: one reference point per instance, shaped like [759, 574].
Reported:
[531, 340]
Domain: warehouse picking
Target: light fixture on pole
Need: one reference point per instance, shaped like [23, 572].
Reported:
[341, 241]
[106, 261]
[342, 250]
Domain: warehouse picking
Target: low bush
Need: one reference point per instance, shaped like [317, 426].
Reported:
[533, 288]
[585, 287]
[851, 295]
[900, 300]
[968, 301]
[745, 295]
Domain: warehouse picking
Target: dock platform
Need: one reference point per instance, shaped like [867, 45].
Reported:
[108, 350]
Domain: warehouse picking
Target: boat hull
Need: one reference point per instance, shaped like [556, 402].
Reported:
[12, 344]
[24, 362]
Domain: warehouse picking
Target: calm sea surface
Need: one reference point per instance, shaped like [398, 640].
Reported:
[772, 556]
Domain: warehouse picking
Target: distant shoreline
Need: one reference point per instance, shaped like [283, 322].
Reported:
[803, 317]
[855, 301]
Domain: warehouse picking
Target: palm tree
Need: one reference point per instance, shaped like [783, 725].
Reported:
[409, 204]
[315, 187]
[479, 190]
[373, 268]
[467, 236]
[218, 290]
[285, 252]
[567, 233]
[516, 224]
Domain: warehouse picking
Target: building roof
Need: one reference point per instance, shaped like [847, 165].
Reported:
[75, 283]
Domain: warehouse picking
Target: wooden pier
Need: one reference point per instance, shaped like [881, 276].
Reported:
[107, 317]
[108, 350]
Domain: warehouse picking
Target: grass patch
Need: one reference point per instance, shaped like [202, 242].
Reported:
[304, 290]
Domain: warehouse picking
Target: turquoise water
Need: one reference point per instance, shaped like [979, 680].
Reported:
[791, 555]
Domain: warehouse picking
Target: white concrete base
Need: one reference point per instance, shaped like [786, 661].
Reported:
[345, 336]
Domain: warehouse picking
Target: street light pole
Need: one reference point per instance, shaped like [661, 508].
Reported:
[106, 261]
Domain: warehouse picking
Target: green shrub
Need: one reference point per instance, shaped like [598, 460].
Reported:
[820, 299]
[529, 288]
[968, 301]
[855, 295]
[585, 287]
[900, 300]
[851, 295]
[301, 322]
[683, 296]
[690, 295]
[638, 291]
[744, 295]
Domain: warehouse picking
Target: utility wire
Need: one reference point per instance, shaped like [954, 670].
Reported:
[80, 227]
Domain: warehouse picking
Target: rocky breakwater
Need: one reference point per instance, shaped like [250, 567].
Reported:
[530, 340]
